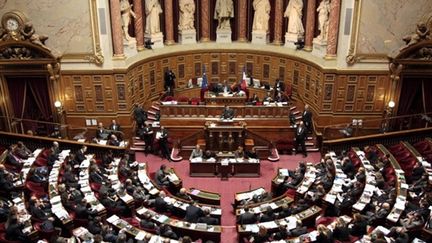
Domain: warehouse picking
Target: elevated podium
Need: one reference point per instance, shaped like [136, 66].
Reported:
[224, 135]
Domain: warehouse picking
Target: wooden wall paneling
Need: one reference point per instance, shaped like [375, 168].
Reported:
[340, 92]
[108, 87]
[383, 90]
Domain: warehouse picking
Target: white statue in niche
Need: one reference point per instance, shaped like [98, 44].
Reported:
[152, 9]
[294, 14]
[323, 20]
[224, 11]
[187, 15]
[126, 13]
[262, 15]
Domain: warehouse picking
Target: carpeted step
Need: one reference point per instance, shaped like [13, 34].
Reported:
[154, 107]
[293, 108]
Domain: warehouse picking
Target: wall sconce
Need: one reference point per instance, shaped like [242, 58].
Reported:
[390, 107]
[58, 105]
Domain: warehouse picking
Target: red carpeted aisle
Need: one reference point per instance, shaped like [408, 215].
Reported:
[227, 189]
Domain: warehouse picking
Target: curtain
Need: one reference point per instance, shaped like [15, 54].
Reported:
[427, 95]
[17, 91]
[39, 90]
[409, 93]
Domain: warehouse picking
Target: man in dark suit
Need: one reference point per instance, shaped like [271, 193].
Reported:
[80, 154]
[11, 158]
[160, 204]
[193, 213]
[300, 138]
[227, 113]
[307, 118]
[207, 218]
[163, 144]
[22, 151]
[279, 87]
[54, 154]
[169, 79]
[147, 136]
[140, 115]
[101, 133]
[280, 97]
[247, 217]
[161, 176]
[114, 126]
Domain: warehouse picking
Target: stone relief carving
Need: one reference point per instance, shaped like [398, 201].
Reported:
[187, 15]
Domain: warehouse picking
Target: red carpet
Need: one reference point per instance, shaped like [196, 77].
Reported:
[227, 189]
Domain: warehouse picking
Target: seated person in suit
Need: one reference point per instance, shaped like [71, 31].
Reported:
[225, 88]
[267, 216]
[114, 204]
[298, 230]
[14, 230]
[358, 227]
[22, 151]
[280, 97]
[183, 194]
[209, 154]
[96, 175]
[196, 152]
[347, 131]
[227, 113]
[254, 99]
[53, 154]
[281, 233]
[239, 153]
[101, 133]
[6, 180]
[207, 218]
[193, 213]
[146, 222]
[95, 225]
[80, 154]
[161, 176]
[247, 217]
[12, 159]
[113, 140]
[83, 210]
[114, 126]
[165, 230]
[260, 237]
[268, 97]
[160, 204]
[252, 154]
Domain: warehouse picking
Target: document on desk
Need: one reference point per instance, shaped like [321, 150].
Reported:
[252, 228]
[269, 225]
[196, 160]
[141, 235]
[283, 172]
[113, 219]
[173, 177]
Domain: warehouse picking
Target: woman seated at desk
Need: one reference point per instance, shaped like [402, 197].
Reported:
[197, 153]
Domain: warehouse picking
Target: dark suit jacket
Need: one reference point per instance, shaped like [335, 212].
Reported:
[193, 213]
[14, 232]
[300, 134]
[247, 218]
[79, 156]
[115, 127]
[101, 134]
[341, 233]
[160, 178]
[307, 117]
[208, 220]
[279, 86]
[160, 205]
[12, 160]
[359, 228]
[324, 239]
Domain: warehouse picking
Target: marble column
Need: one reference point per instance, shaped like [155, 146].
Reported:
[310, 24]
[138, 21]
[205, 20]
[169, 22]
[333, 30]
[116, 27]
[278, 22]
[242, 15]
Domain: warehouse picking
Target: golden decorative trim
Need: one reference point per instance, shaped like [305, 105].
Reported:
[96, 56]
[353, 56]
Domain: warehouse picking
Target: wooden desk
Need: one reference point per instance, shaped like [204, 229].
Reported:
[275, 204]
[224, 100]
[401, 187]
[182, 228]
[236, 169]
[205, 196]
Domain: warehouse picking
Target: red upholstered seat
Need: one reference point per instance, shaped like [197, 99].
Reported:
[95, 186]
[183, 99]
[35, 187]
[195, 101]
[168, 98]
[133, 221]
